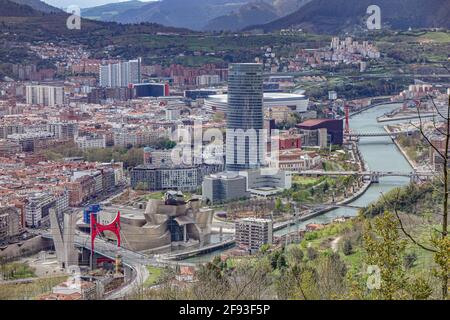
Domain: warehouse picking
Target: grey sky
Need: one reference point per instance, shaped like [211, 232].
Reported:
[82, 3]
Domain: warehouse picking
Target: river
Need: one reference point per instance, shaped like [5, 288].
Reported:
[379, 153]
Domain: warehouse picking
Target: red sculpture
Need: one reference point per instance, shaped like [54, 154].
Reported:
[97, 228]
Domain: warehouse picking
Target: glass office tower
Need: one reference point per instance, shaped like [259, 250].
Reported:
[244, 141]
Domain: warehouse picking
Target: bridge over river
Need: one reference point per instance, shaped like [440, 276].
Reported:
[352, 134]
[373, 176]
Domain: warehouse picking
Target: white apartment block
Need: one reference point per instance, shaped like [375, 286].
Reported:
[252, 233]
[8, 129]
[88, 142]
[50, 96]
[173, 114]
[120, 74]
[123, 138]
[63, 130]
[208, 80]
[37, 209]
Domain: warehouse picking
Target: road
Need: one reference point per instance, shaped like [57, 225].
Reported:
[134, 260]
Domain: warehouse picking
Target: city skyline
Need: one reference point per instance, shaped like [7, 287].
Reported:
[225, 151]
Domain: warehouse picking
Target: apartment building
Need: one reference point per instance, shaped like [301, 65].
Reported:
[252, 233]
[37, 209]
[63, 130]
[49, 96]
[120, 74]
[9, 128]
[10, 222]
[90, 142]
[179, 178]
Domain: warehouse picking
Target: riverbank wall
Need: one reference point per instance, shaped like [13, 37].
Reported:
[411, 162]
[311, 215]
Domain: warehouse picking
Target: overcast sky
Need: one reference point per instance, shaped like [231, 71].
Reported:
[83, 3]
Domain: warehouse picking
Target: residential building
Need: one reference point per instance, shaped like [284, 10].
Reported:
[252, 233]
[157, 158]
[37, 209]
[63, 130]
[208, 80]
[295, 160]
[91, 142]
[10, 222]
[120, 74]
[178, 178]
[49, 96]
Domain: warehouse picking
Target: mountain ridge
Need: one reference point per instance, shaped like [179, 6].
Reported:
[200, 15]
[331, 16]
[250, 13]
[38, 5]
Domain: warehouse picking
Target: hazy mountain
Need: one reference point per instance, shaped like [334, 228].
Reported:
[333, 16]
[81, 3]
[37, 5]
[12, 9]
[248, 14]
[108, 12]
[196, 14]
[40, 26]
[285, 7]
[255, 12]
[192, 14]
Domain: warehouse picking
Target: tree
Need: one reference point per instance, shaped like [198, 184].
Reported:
[311, 253]
[420, 289]
[331, 282]
[409, 260]
[439, 238]
[384, 249]
[278, 205]
[295, 255]
[347, 248]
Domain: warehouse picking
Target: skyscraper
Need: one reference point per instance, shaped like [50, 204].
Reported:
[120, 74]
[245, 147]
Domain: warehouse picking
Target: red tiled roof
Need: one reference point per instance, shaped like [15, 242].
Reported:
[313, 122]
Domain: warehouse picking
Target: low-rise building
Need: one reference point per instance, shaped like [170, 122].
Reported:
[186, 178]
[223, 187]
[334, 129]
[295, 160]
[10, 222]
[90, 142]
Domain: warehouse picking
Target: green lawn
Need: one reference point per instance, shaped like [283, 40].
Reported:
[440, 37]
[354, 259]
[154, 196]
[29, 291]
[155, 274]
[17, 270]
[305, 180]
